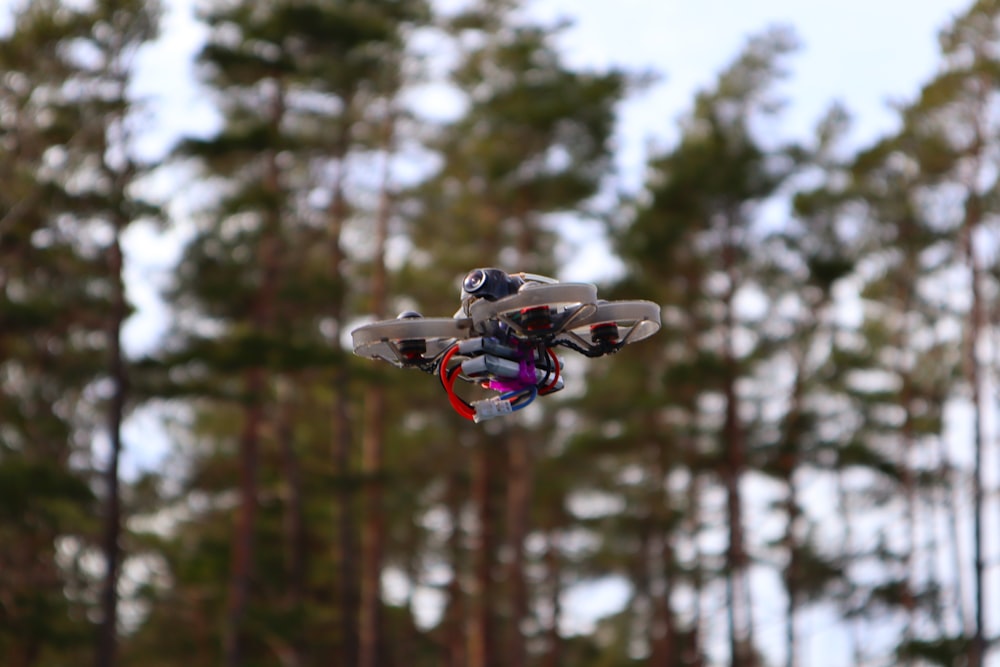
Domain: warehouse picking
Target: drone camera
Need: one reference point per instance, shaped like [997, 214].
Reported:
[474, 281]
[490, 284]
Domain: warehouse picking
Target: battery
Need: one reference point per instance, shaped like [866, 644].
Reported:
[484, 345]
[487, 364]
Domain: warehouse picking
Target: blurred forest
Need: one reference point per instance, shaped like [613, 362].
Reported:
[800, 468]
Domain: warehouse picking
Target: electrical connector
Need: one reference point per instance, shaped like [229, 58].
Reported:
[490, 407]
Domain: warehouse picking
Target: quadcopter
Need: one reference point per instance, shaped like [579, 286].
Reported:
[504, 336]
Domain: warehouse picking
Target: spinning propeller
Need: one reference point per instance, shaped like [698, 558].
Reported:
[503, 337]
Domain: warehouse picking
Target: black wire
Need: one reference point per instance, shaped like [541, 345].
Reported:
[592, 353]
[525, 397]
[543, 353]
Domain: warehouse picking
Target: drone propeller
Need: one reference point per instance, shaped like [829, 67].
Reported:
[611, 326]
[410, 340]
[538, 309]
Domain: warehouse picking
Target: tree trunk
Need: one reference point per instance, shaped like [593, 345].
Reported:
[246, 519]
[347, 588]
[254, 395]
[661, 557]
[519, 466]
[455, 608]
[664, 651]
[693, 657]
[977, 648]
[372, 444]
[792, 571]
[294, 524]
[847, 555]
[692, 522]
[255, 387]
[950, 562]
[737, 588]
[663, 631]
[111, 544]
[905, 297]
[553, 563]
[480, 634]
[787, 464]
[906, 436]
[373, 532]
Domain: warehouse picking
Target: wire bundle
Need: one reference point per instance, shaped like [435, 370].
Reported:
[448, 379]
[518, 399]
[553, 370]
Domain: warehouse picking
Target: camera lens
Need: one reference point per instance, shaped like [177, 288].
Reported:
[474, 281]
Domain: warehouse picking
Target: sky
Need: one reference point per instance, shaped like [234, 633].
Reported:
[864, 54]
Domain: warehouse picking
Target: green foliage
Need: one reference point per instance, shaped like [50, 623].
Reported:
[946, 651]
[64, 203]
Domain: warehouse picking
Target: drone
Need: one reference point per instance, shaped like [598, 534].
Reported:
[504, 337]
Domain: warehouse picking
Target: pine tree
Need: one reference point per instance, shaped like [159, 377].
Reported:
[965, 91]
[900, 347]
[533, 140]
[801, 423]
[263, 293]
[941, 178]
[67, 199]
[689, 247]
[105, 144]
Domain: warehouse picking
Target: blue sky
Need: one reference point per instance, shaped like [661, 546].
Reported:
[862, 53]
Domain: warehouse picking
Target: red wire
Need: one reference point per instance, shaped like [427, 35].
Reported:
[555, 363]
[460, 406]
[449, 383]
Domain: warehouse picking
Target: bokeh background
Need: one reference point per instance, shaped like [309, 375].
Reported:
[198, 202]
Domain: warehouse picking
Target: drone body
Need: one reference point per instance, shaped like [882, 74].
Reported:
[504, 337]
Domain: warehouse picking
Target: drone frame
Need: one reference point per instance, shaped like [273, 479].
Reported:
[516, 334]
